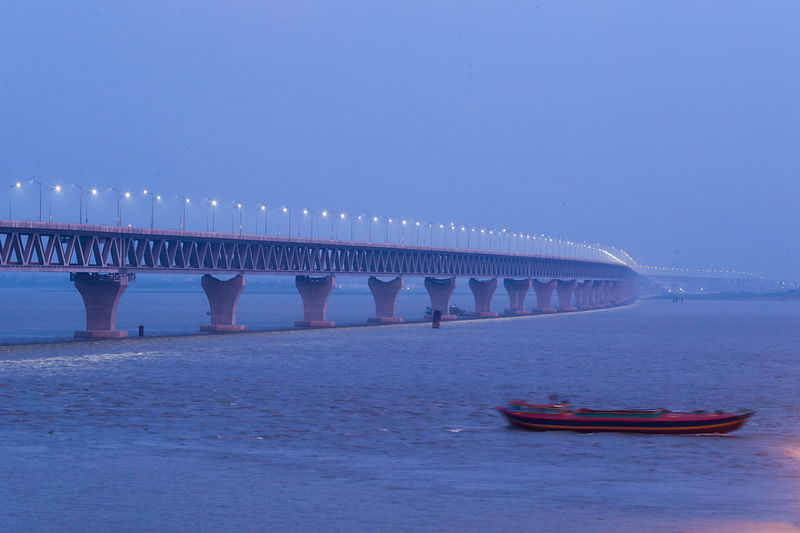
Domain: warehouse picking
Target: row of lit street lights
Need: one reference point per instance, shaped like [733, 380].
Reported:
[468, 236]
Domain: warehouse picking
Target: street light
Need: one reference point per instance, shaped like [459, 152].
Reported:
[306, 211]
[213, 216]
[94, 193]
[57, 188]
[40, 197]
[416, 224]
[184, 204]
[11, 188]
[236, 205]
[288, 211]
[119, 205]
[403, 231]
[342, 216]
[263, 209]
[153, 198]
[333, 221]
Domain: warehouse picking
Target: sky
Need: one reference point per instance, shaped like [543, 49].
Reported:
[668, 129]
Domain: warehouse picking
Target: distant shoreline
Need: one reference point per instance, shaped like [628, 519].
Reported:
[793, 295]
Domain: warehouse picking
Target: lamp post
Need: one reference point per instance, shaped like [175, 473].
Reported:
[386, 222]
[40, 197]
[288, 211]
[236, 205]
[119, 205]
[342, 216]
[333, 221]
[184, 204]
[57, 188]
[153, 198]
[263, 209]
[11, 188]
[93, 193]
[307, 211]
[213, 216]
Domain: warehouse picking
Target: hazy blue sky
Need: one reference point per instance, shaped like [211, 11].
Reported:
[669, 129]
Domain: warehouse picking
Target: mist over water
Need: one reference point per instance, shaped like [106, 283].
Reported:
[393, 428]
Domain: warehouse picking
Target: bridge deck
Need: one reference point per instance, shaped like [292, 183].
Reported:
[50, 247]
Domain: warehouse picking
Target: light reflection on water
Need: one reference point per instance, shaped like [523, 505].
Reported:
[393, 428]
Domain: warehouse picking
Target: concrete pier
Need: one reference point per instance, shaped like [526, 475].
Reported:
[566, 289]
[315, 293]
[586, 288]
[517, 292]
[597, 294]
[483, 291]
[385, 295]
[440, 291]
[544, 295]
[223, 297]
[101, 294]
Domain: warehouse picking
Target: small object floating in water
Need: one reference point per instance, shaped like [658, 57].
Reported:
[561, 417]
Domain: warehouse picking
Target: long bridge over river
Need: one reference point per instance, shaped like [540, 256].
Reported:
[102, 260]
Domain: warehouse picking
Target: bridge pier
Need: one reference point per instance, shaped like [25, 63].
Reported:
[440, 291]
[483, 291]
[517, 292]
[597, 294]
[584, 291]
[544, 295]
[315, 293]
[385, 295]
[614, 289]
[565, 291]
[223, 297]
[101, 294]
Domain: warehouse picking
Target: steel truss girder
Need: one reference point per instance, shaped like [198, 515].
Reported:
[32, 246]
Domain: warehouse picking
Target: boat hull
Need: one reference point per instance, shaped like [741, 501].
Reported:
[669, 423]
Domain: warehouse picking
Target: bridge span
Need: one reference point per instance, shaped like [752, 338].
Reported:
[103, 260]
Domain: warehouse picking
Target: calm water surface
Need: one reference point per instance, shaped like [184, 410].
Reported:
[393, 428]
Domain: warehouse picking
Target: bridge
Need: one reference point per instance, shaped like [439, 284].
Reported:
[102, 260]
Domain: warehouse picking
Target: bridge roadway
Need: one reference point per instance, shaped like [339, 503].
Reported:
[103, 260]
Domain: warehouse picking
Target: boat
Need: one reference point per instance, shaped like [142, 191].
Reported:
[562, 417]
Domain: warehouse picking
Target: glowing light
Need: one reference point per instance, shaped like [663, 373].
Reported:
[58, 188]
[284, 209]
[239, 205]
[19, 184]
[305, 211]
[263, 208]
[158, 197]
[341, 216]
[214, 203]
[187, 200]
[127, 195]
[94, 191]
[324, 213]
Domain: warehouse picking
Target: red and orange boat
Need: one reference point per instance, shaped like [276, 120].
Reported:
[561, 417]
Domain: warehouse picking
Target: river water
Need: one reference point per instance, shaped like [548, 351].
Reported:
[393, 428]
